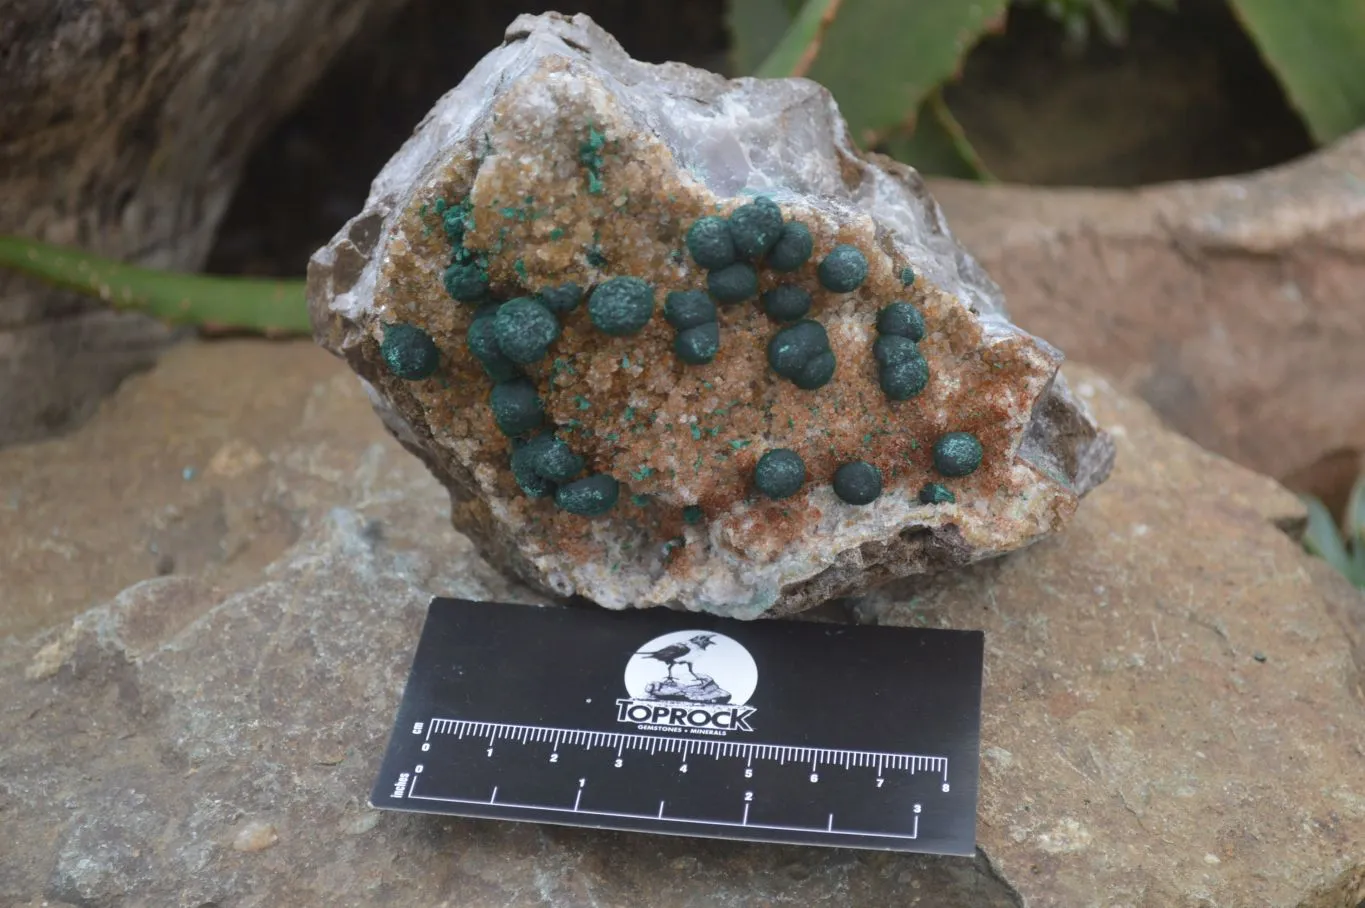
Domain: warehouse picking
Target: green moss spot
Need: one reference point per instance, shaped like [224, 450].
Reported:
[733, 283]
[698, 345]
[793, 248]
[709, 242]
[642, 474]
[591, 496]
[903, 380]
[693, 514]
[639, 501]
[517, 408]
[696, 432]
[466, 282]
[957, 454]
[787, 302]
[843, 270]
[755, 228]
[900, 319]
[628, 413]
[564, 298]
[409, 352]
[621, 306]
[858, 482]
[525, 329]
[685, 309]
[780, 473]
[520, 268]
[590, 156]
[934, 493]
[557, 233]
[740, 444]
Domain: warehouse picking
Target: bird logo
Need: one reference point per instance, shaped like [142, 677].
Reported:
[676, 654]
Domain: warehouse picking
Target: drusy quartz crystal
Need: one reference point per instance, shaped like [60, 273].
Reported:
[672, 340]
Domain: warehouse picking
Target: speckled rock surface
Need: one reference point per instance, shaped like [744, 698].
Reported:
[210, 736]
[559, 159]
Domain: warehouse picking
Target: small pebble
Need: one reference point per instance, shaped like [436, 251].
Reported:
[843, 270]
[780, 473]
[409, 352]
[755, 227]
[858, 483]
[787, 302]
[709, 242]
[591, 496]
[793, 248]
[733, 283]
[255, 835]
[621, 306]
[957, 454]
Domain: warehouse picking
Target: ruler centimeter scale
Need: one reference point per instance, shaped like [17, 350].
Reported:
[614, 745]
[660, 722]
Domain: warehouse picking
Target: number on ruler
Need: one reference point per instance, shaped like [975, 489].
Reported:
[426, 745]
[582, 782]
[945, 787]
[489, 752]
[918, 808]
[682, 768]
[417, 728]
[748, 773]
[748, 795]
[815, 777]
[418, 768]
[617, 763]
[554, 758]
[880, 780]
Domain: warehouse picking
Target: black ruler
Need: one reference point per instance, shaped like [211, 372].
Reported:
[687, 724]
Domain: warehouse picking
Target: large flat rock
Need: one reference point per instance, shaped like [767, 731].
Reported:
[211, 736]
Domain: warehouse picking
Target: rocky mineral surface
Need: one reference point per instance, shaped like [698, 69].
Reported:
[669, 339]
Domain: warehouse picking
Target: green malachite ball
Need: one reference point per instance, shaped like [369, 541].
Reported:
[934, 493]
[792, 347]
[793, 249]
[816, 373]
[693, 514]
[892, 349]
[843, 270]
[903, 380]
[552, 458]
[733, 283]
[564, 298]
[621, 306]
[409, 352]
[710, 244]
[858, 482]
[589, 497]
[517, 408]
[525, 329]
[907, 276]
[688, 308]
[482, 341]
[780, 473]
[756, 227]
[787, 302]
[901, 320]
[466, 282]
[957, 454]
[528, 479]
[698, 345]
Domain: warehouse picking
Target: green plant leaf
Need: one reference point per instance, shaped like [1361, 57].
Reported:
[756, 27]
[1355, 515]
[1322, 538]
[803, 38]
[936, 144]
[882, 58]
[1316, 48]
[275, 307]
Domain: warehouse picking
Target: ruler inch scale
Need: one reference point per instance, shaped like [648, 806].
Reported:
[660, 722]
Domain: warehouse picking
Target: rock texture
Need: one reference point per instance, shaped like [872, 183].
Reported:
[1232, 306]
[559, 159]
[123, 128]
[211, 737]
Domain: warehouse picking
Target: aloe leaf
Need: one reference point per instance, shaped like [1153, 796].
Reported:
[936, 144]
[756, 27]
[276, 307]
[1316, 48]
[883, 58]
[803, 40]
[1322, 537]
[1355, 515]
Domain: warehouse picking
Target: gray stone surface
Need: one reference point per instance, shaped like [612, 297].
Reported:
[674, 143]
[123, 130]
[210, 736]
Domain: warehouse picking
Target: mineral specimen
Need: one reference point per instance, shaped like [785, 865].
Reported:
[859, 408]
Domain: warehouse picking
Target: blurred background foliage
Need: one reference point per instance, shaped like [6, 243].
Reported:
[892, 64]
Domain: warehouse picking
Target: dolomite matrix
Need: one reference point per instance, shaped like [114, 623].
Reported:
[669, 339]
